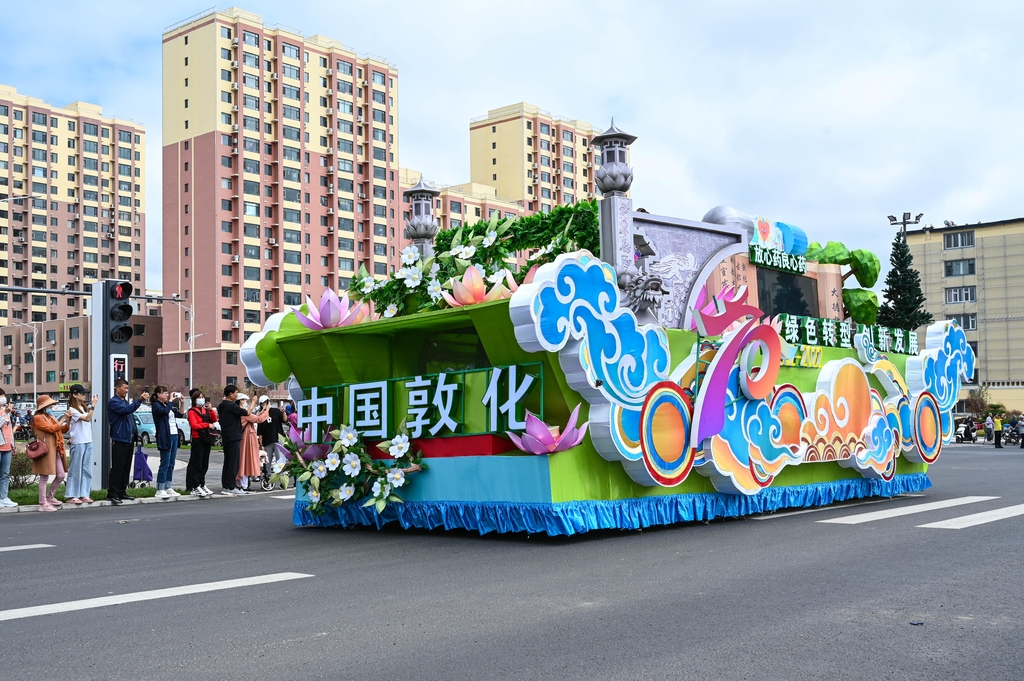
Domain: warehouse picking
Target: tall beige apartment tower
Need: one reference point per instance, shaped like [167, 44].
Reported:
[72, 204]
[532, 157]
[280, 178]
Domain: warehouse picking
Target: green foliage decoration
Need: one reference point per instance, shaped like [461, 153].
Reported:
[835, 253]
[861, 304]
[865, 266]
[342, 471]
[539, 230]
[490, 245]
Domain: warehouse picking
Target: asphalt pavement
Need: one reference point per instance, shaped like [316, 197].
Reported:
[785, 596]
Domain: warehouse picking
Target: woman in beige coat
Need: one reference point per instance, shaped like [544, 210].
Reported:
[249, 458]
[50, 431]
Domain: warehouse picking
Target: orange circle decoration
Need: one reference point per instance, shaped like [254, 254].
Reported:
[928, 427]
[665, 422]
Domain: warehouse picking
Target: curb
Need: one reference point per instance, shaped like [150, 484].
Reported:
[25, 508]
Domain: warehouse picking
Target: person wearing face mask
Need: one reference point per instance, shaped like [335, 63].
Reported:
[6, 450]
[200, 418]
[249, 454]
[79, 482]
[50, 431]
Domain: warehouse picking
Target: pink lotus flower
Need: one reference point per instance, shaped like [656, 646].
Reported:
[301, 440]
[471, 290]
[332, 313]
[540, 438]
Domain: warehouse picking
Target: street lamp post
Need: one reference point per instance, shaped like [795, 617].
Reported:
[35, 358]
[191, 341]
[905, 221]
[191, 334]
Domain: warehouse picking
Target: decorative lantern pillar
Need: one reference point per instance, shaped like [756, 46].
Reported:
[613, 178]
[421, 227]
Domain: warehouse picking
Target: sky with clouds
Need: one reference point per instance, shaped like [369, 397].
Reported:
[830, 116]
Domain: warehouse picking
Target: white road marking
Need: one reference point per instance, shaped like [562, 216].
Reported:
[904, 510]
[286, 496]
[977, 518]
[26, 546]
[833, 507]
[88, 603]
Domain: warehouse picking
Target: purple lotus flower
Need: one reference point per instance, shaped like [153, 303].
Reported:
[301, 440]
[333, 312]
[540, 438]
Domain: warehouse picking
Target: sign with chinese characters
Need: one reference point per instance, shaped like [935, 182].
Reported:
[830, 333]
[777, 259]
[468, 402]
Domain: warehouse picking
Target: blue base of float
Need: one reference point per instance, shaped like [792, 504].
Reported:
[623, 514]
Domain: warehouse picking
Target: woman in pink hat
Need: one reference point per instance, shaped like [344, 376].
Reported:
[50, 431]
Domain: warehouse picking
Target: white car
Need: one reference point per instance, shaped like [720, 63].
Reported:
[184, 429]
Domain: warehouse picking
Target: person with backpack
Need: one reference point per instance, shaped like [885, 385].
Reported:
[200, 419]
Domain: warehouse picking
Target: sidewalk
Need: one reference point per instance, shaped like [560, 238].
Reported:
[178, 482]
[25, 508]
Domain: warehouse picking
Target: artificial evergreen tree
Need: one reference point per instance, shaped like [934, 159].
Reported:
[904, 302]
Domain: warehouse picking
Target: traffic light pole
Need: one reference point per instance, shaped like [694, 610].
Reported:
[111, 333]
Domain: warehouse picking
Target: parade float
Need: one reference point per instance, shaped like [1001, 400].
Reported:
[602, 367]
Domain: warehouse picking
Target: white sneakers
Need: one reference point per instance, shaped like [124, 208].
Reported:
[206, 491]
[161, 494]
[172, 493]
[7, 503]
[197, 492]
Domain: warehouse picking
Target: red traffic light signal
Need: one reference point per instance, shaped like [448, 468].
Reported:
[119, 312]
[121, 290]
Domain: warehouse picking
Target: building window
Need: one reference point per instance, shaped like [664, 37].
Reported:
[139, 373]
[961, 294]
[139, 351]
[959, 240]
[968, 322]
[231, 358]
[958, 268]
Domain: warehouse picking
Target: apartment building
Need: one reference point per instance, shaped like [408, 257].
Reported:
[48, 357]
[72, 204]
[532, 157]
[280, 172]
[972, 273]
[461, 204]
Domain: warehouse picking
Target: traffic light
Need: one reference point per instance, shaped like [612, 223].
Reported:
[119, 311]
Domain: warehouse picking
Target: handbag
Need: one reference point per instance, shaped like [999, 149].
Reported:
[36, 449]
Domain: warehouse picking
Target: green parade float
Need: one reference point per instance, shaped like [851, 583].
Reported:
[636, 370]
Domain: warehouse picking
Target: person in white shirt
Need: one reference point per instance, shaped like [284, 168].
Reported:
[79, 482]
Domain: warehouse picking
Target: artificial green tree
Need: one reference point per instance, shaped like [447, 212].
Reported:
[904, 301]
[860, 303]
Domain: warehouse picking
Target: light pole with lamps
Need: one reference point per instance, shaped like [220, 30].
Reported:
[905, 221]
[191, 333]
[35, 358]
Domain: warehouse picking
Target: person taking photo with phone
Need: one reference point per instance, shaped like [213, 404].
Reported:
[50, 431]
[79, 483]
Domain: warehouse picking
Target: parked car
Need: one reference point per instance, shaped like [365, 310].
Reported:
[144, 424]
[184, 429]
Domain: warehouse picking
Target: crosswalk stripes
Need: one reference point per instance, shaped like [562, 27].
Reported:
[904, 510]
[977, 518]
